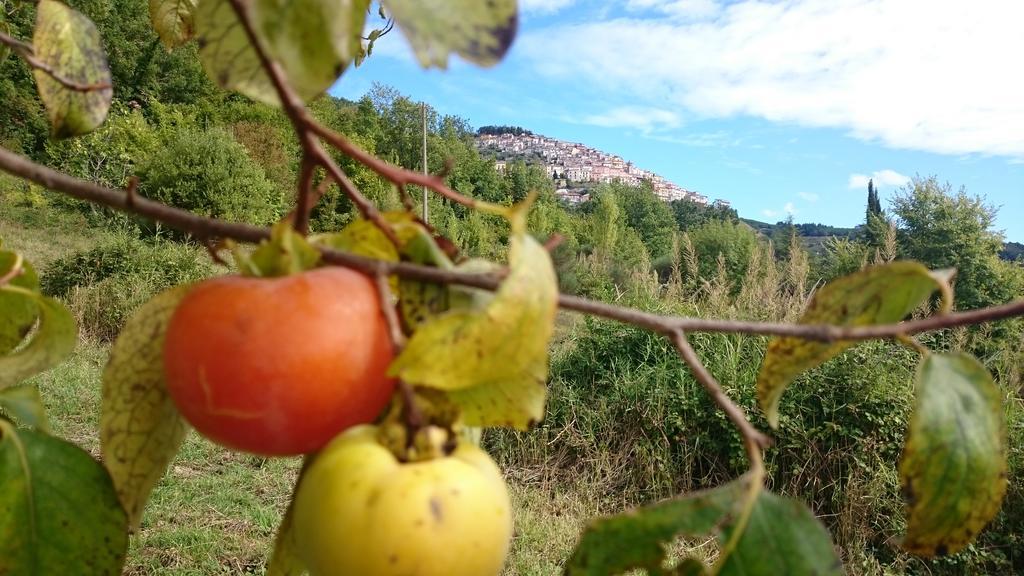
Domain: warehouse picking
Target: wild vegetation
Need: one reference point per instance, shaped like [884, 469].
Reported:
[626, 423]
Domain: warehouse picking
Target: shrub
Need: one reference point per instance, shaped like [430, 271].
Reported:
[627, 419]
[101, 309]
[105, 284]
[209, 173]
[733, 240]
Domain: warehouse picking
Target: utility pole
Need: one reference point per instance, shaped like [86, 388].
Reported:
[423, 111]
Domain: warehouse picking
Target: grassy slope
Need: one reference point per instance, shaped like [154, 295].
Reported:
[215, 512]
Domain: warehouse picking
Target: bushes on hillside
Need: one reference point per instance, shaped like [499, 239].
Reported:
[209, 173]
[105, 285]
[627, 421]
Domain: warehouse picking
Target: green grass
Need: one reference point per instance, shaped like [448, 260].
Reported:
[43, 235]
[216, 511]
[625, 425]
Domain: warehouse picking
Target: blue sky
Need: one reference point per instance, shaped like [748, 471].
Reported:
[779, 107]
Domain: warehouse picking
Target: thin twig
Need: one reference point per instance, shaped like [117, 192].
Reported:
[131, 191]
[387, 305]
[303, 202]
[753, 439]
[28, 54]
[554, 241]
[303, 123]
[411, 413]
[396, 174]
[203, 227]
[366, 208]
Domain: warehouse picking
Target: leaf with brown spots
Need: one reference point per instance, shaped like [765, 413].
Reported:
[140, 429]
[69, 43]
[953, 467]
[493, 360]
[173, 20]
[875, 295]
[421, 301]
[480, 32]
[312, 40]
[640, 538]
[60, 514]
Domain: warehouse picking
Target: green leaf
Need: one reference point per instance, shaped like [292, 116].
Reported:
[140, 428]
[18, 311]
[68, 42]
[53, 341]
[312, 40]
[640, 538]
[953, 467]
[60, 512]
[173, 20]
[875, 295]
[25, 406]
[480, 32]
[286, 252]
[782, 536]
[495, 359]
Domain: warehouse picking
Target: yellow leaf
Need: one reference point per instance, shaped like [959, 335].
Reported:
[876, 295]
[140, 429]
[492, 360]
[173, 20]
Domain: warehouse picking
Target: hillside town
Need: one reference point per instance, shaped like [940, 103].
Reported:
[576, 163]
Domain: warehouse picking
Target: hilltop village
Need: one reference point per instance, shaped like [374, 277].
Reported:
[576, 165]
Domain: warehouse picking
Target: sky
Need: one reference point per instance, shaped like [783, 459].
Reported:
[780, 107]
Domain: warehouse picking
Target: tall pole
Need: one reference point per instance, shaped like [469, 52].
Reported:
[423, 111]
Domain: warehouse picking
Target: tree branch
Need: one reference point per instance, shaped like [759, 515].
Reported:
[204, 228]
[303, 124]
[303, 203]
[28, 54]
[399, 176]
[754, 440]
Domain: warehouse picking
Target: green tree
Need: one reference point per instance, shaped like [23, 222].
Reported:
[209, 173]
[947, 229]
[647, 214]
[783, 238]
[690, 214]
[733, 240]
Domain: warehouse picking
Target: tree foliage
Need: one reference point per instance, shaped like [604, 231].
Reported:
[461, 356]
[947, 229]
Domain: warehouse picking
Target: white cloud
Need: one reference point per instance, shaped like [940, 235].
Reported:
[769, 213]
[808, 196]
[638, 117]
[789, 208]
[544, 6]
[914, 74]
[881, 177]
[719, 139]
[682, 9]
